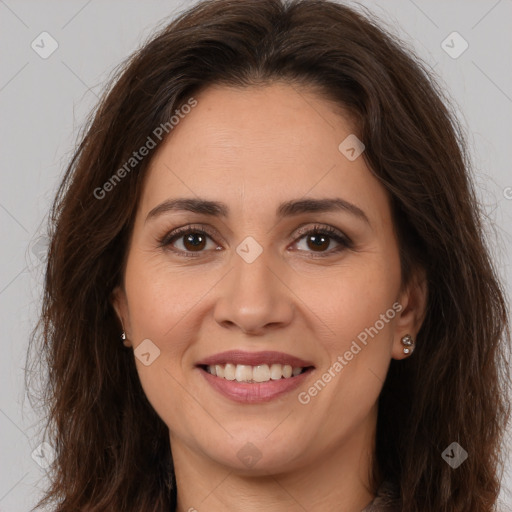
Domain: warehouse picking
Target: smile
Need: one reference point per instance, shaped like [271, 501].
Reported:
[254, 377]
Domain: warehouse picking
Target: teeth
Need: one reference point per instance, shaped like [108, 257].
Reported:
[276, 371]
[260, 373]
[229, 372]
[243, 373]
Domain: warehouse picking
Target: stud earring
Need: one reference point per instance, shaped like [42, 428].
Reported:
[408, 344]
[126, 343]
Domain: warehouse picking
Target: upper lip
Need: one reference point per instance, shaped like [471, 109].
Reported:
[254, 359]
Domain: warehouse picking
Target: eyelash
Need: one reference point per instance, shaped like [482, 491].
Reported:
[333, 233]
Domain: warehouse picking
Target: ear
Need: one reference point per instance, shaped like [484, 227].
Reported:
[409, 319]
[120, 304]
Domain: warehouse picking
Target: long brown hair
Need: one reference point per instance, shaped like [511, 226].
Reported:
[112, 449]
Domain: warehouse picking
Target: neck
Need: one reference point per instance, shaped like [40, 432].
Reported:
[335, 480]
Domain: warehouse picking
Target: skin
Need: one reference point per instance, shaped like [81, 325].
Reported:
[240, 146]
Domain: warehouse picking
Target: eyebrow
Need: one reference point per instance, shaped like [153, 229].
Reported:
[286, 209]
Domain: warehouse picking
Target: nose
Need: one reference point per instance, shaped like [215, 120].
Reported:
[254, 298]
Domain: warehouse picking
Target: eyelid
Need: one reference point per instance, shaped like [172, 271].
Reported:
[322, 228]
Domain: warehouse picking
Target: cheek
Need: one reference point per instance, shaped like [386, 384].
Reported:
[359, 310]
[159, 301]
[357, 298]
[161, 296]
[164, 303]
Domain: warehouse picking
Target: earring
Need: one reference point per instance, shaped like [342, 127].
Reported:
[126, 343]
[408, 344]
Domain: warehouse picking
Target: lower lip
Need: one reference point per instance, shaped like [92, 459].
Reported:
[257, 392]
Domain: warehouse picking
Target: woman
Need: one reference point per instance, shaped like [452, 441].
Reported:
[218, 341]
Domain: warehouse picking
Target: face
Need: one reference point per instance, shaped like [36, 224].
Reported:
[222, 302]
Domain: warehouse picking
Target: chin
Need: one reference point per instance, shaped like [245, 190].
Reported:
[257, 458]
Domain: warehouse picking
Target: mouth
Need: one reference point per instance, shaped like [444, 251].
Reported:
[252, 377]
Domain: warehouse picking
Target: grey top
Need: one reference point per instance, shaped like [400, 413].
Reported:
[386, 499]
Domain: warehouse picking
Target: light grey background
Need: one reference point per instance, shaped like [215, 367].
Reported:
[43, 104]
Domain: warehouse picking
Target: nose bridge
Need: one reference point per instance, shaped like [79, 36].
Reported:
[253, 295]
[253, 272]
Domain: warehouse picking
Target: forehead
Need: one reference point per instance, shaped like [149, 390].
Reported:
[260, 145]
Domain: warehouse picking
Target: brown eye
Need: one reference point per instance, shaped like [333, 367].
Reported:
[318, 242]
[319, 238]
[187, 241]
[194, 241]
